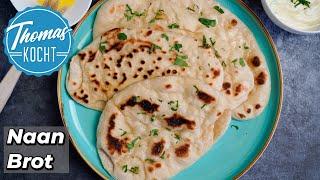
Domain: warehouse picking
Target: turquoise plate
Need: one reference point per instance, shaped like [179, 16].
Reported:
[235, 152]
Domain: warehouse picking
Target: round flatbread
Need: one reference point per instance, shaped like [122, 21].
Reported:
[232, 42]
[112, 62]
[155, 128]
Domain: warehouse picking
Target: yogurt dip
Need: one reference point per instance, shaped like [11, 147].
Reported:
[296, 16]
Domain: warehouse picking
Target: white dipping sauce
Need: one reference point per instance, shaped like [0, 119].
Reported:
[299, 17]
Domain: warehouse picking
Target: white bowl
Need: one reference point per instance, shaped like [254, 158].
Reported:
[72, 14]
[282, 25]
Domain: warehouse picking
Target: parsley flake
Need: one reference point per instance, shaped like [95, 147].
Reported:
[176, 47]
[124, 168]
[154, 132]
[134, 170]
[173, 26]
[181, 61]
[165, 36]
[122, 36]
[150, 160]
[219, 9]
[241, 62]
[159, 15]
[174, 105]
[132, 143]
[208, 22]
[129, 13]
[234, 126]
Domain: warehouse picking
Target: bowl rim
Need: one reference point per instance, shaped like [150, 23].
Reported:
[284, 26]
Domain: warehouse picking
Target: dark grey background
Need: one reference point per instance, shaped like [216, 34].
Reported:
[60, 152]
[294, 152]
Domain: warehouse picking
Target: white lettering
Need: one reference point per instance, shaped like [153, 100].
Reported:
[14, 161]
[13, 135]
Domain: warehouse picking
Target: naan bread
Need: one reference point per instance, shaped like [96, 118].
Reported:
[109, 64]
[234, 45]
[155, 128]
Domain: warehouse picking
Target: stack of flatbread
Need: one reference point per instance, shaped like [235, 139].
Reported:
[168, 75]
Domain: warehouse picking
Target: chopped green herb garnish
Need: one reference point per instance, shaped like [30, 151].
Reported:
[245, 46]
[153, 118]
[134, 170]
[203, 106]
[154, 132]
[123, 132]
[133, 142]
[125, 168]
[216, 53]
[165, 36]
[174, 105]
[176, 47]
[141, 113]
[208, 22]
[193, 8]
[197, 89]
[150, 160]
[241, 62]
[223, 64]
[159, 15]
[162, 155]
[219, 9]
[178, 137]
[234, 62]
[102, 46]
[301, 2]
[234, 126]
[154, 47]
[160, 100]
[129, 13]
[136, 99]
[173, 26]
[122, 36]
[204, 43]
[181, 61]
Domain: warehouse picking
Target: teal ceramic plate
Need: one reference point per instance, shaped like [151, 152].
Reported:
[235, 152]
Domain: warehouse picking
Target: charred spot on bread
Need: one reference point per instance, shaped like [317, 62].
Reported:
[182, 151]
[177, 120]
[226, 85]
[258, 106]
[107, 83]
[234, 22]
[150, 72]
[248, 110]
[157, 148]
[174, 71]
[140, 69]
[228, 92]
[256, 61]
[130, 55]
[82, 56]
[168, 71]
[84, 98]
[146, 105]
[206, 98]
[124, 78]
[241, 115]
[158, 165]
[157, 67]
[148, 33]
[96, 82]
[114, 144]
[261, 78]
[159, 58]
[239, 88]
[93, 75]
[106, 66]
[115, 90]
[142, 62]
[150, 168]
[92, 55]
[145, 76]
[129, 64]
[135, 76]
[168, 86]
[135, 50]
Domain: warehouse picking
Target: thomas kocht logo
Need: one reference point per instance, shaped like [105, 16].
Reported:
[38, 41]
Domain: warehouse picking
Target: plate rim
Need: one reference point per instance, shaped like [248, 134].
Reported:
[275, 124]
